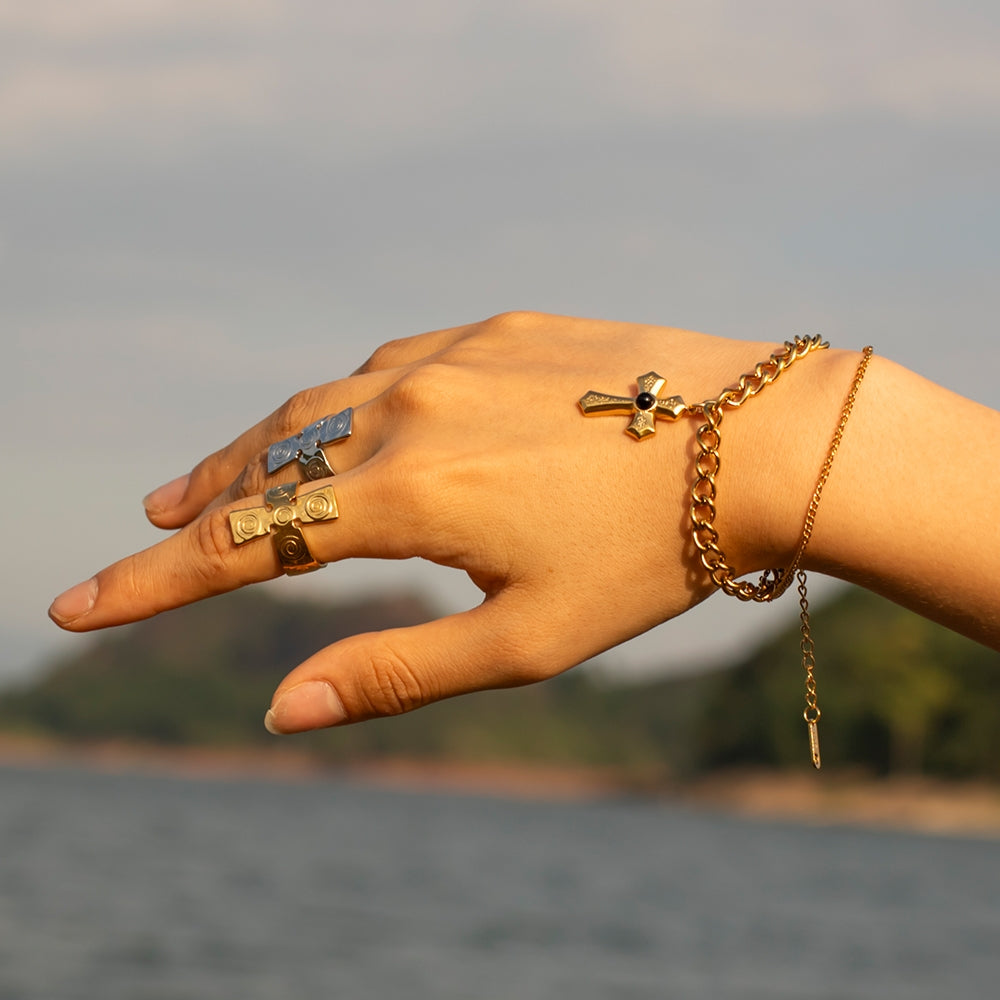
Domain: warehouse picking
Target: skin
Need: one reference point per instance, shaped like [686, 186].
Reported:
[469, 450]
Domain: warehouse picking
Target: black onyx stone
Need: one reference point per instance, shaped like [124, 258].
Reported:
[645, 401]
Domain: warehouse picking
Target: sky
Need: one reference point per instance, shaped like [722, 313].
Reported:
[206, 205]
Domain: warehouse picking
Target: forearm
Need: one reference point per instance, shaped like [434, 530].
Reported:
[912, 507]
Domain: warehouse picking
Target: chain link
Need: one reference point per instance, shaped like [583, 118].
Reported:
[811, 712]
[773, 582]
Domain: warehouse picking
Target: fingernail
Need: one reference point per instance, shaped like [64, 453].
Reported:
[74, 603]
[311, 705]
[168, 496]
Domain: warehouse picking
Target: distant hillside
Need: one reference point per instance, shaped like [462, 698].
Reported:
[199, 674]
[898, 695]
[204, 675]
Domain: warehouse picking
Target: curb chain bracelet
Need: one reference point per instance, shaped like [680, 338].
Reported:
[645, 407]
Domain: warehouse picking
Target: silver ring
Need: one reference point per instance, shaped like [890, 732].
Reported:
[306, 446]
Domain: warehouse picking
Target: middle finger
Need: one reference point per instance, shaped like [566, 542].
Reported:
[211, 481]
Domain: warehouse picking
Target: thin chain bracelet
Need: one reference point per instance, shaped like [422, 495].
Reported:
[773, 582]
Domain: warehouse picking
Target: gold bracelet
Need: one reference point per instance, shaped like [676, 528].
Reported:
[647, 406]
[774, 582]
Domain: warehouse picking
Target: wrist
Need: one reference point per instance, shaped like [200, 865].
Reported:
[774, 448]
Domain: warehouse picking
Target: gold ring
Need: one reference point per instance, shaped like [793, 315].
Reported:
[282, 517]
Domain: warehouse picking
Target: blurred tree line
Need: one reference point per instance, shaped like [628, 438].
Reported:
[898, 695]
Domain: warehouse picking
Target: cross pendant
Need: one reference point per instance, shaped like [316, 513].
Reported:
[645, 406]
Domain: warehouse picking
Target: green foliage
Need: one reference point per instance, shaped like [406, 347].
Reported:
[567, 720]
[202, 674]
[898, 694]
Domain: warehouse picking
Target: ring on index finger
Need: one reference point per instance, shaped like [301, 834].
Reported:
[306, 446]
[284, 513]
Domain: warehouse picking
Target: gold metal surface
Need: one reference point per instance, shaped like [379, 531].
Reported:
[645, 406]
[643, 420]
[282, 518]
[814, 745]
[774, 582]
[811, 712]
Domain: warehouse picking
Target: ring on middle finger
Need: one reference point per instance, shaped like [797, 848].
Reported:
[306, 446]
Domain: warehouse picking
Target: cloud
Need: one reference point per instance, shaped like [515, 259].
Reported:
[799, 58]
[368, 76]
[59, 22]
[52, 103]
[112, 70]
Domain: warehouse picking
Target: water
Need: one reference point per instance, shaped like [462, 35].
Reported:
[152, 888]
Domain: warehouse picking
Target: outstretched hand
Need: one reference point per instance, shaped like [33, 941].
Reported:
[469, 450]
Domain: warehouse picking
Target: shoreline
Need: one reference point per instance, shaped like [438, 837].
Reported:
[910, 804]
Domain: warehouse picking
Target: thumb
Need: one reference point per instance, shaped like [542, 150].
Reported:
[395, 671]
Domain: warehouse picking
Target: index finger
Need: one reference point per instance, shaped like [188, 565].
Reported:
[198, 561]
[207, 557]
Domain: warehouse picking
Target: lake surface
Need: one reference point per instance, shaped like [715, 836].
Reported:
[133, 887]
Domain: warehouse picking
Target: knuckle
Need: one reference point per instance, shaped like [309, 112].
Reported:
[252, 478]
[138, 583]
[515, 322]
[505, 332]
[387, 355]
[516, 318]
[206, 475]
[298, 411]
[213, 542]
[133, 587]
[429, 387]
[393, 686]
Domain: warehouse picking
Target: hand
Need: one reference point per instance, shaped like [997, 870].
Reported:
[469, 450]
